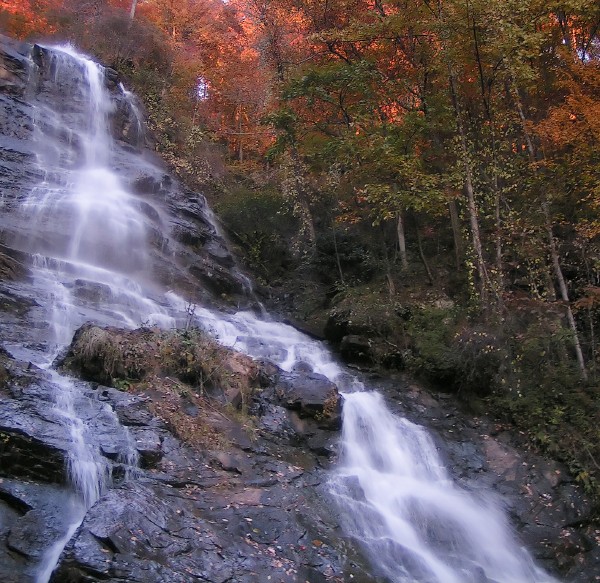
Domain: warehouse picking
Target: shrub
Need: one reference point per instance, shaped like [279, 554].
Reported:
[262, 225]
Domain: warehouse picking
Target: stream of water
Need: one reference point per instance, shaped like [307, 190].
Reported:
[86, 232]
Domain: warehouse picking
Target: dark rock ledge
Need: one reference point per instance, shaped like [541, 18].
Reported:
[243, 500]
[547, 509]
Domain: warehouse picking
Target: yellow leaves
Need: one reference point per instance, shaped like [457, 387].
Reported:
[589, 229]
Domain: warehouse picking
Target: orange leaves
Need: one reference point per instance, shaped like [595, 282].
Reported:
[577, 119]
[23, 18]
[590, 300]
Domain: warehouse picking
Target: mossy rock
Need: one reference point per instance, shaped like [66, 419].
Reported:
[120, 358]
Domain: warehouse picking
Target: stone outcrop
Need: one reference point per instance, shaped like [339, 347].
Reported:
[186, 367]
[312, 396]
[248, 505]
[190, 255]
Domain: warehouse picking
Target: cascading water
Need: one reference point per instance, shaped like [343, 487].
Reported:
[89, 239]
[394, 494]
[82, 229]
[414, 522]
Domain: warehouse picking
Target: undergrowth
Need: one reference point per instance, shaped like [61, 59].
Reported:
[521, 370]
[191, 381]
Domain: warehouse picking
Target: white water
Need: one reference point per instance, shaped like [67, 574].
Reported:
[88, 236]
[85, 232]
[414, 522]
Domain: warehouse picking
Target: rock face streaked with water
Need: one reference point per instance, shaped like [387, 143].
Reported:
[93, 229]
[415, 522]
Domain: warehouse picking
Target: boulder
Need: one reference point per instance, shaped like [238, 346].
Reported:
[312, 395]
[355, 348]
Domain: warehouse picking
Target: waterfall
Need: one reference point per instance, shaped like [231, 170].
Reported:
[414, 522]
[90, 242]
[82, 227]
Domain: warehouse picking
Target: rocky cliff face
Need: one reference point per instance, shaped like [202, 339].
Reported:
[239, 505]
[244, 502]
[190, 255]
[248, 501]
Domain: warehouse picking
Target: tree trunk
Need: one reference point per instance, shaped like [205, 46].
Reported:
[455, 232]
[337, 255]
[554, 256]
[562, 286]
[422, 254]
[388, 269]
[302, 201]
[592, 341]
[565, 29]
[132, 10]
[240, 145]
[550, 284]
[401, 242]
[470, 191]
[499, 263]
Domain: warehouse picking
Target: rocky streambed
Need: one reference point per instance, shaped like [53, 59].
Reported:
[244, 496]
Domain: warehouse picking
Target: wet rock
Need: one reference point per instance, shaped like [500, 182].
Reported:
[10, 268]
[275, 420]
[216, 278]
[32, 517]
[302, 367]
[354, 348]
[147, 185]
[547, 510]
[243, 531]
[323, 444]
[130, 409]
[312, 395]
[31, 445]
[192, 258]
[27, 456]
[29, 535]
[148, 444]
[231, 462]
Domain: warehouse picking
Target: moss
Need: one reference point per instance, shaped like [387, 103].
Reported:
[99, 354]
[187, 376]
[120, 357]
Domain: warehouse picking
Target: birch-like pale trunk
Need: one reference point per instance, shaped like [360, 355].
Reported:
[401, 242]
[552, 247]
[132, 10]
